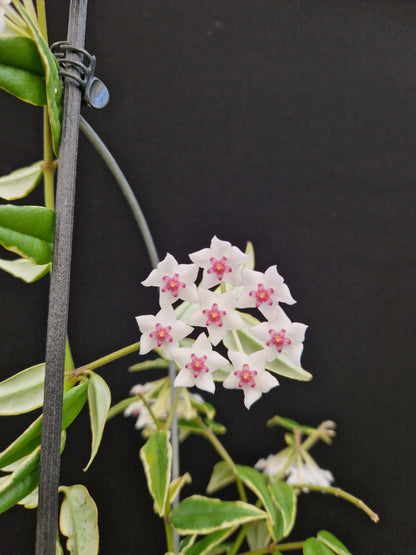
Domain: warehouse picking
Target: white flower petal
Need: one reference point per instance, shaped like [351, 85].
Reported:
[251, 395]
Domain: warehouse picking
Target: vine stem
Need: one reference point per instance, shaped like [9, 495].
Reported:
[274, 548]
[218, 446]
[110, 357]
[338, 492]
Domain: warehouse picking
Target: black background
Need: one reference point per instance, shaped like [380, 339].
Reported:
[287, 123]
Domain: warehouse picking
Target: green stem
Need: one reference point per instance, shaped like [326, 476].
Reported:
[112, 356]
[149, 408]
[169, 535]
[338, 492]
[212, 438]
[274, 548]
[48, 166]
[239, 540]
[173, 408]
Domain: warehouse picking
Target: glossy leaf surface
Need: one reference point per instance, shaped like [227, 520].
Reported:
[314, 547]
[99, 401]
[256, 481]
[21, 182]
[21, 71]
[22, 392]
[156, 455]
[206, 545]
[78, 521]
[53, 82]
[221, 477]
[73, 402]
[202, 515]
[21, 482]
[285, 498]
[332, 542]
[25, 269]
[28, 231]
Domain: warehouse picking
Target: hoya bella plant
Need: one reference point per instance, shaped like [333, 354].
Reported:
[227, 327]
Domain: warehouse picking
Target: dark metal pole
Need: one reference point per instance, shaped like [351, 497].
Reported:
[47, 519]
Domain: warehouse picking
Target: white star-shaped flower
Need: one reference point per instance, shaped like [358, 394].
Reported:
[162, 330]
[281, 335]
[309, 474]
[176, 281]
[197, 364]
[273, 464]
[217, 314]
[249, 375]
[221, 262]
[264, 291]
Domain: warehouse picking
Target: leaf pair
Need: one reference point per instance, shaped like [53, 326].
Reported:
[30, 72]
[23, 392]
[325, 543]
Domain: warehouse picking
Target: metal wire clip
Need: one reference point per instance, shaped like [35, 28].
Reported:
[94, 93]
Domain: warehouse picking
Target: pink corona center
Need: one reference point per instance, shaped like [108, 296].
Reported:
[219, 267]
[278, 339]
[246, 376]
[161, 334]
[172, 284]
[214, 315]
[197, 365]
[262, 295]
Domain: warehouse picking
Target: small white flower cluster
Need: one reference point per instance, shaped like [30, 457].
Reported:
[3, 4]
[306, 473]
[219, 312]
[158, 399]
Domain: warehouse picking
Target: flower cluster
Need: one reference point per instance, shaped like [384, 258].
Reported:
[229, 285]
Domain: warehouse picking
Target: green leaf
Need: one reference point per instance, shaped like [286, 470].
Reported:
[284, 366]
[221, 477]
[25, 269]
[53, 82]
[149, 365]
[256, 481]
[22, 392]
[73, 402]
[216, 427]
[289, 424]
[207, 544]
[186, 542]
[258, 536]
[202, 515]
[156, 455]
[331, 541]
[192, 426]
[78, 520]
[31, 500]
[203, 408]
[314, 547]
[99, 401]
[285, 498]
[176, 486]
[21, 482]
[20, 182]
[59, 550]
[21, 71]
[28, 231]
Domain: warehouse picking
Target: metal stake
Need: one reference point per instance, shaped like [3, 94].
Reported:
[47, 518]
